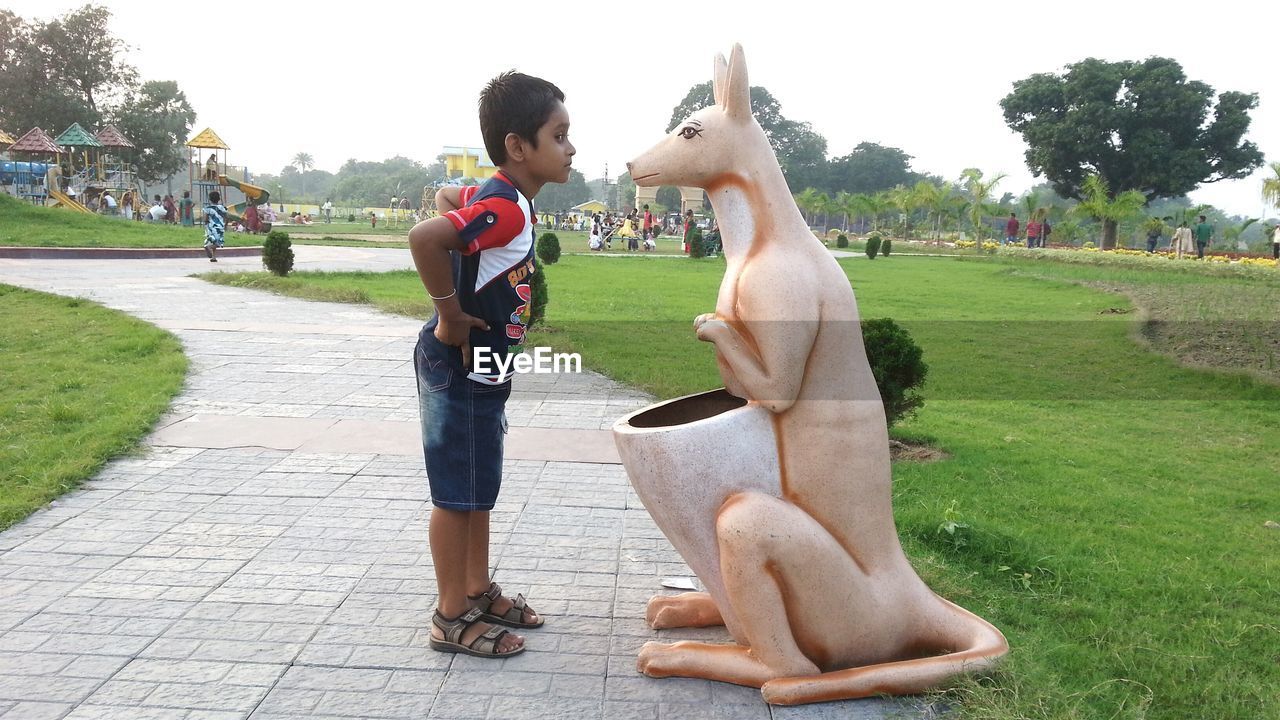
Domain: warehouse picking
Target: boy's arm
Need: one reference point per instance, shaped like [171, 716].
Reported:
[448, 198]
[430, 242]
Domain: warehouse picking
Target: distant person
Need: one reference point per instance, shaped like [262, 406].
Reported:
[1033, 232]
[327, 209]
[211, 168]
[157, 210]
[1011, 229]
[251, 221]
[373, 220]
[126, 204]
[1275, 243]
[109, 204]
[1204, 236]
[186, 207]
[1045, 229]
[1182, 242]
[1153, 237]
[647, 225]
[215, 225]
[170, 210]
[688, 226]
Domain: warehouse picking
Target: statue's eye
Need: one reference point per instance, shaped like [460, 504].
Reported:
[689, 132]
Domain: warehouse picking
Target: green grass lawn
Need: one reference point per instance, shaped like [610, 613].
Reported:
[81, 384]
[1109, 503]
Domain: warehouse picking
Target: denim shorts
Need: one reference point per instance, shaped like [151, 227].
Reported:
[464, 424]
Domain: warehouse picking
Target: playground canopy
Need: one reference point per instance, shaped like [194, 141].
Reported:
[76, 136]
[111, 137]
[207, 139]
[35, 141]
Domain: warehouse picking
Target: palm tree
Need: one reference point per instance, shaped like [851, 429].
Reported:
[1099, 205]
[1271, 186]
[304, 162]
[1231, 235]
[980, 192]
[806, 201]
[859, 205]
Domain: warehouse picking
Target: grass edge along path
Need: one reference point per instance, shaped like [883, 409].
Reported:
[1102, 505]
[81, 384]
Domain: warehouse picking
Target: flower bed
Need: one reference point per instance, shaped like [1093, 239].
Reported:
[1218, 264]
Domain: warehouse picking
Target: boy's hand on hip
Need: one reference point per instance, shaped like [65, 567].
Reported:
[456, 331]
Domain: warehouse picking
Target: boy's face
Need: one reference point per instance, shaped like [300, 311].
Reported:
[552, 160]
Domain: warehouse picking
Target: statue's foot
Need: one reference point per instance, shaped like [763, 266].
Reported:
[691, 609]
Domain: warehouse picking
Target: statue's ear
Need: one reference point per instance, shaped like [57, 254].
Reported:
[737, 92]
[719, 79]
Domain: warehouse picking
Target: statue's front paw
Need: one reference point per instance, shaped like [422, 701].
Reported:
[701, 320]
[652, 660]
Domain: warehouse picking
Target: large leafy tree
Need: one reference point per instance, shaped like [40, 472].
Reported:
[870, 168]
[31, 92]
[1139, 126]
[87, 57]
[801, 151]
[158, 119]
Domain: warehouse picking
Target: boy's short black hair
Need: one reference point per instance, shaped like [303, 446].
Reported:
[514, 103]
[215, 197]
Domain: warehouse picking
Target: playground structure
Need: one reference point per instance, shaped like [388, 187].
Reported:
[207, 175]
[72, 171]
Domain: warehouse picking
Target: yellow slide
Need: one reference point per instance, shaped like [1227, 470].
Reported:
[62, 199]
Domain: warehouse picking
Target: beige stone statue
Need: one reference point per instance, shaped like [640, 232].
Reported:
[777, 492]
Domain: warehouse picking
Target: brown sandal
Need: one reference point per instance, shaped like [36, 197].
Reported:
[485, 645]
[513, 617]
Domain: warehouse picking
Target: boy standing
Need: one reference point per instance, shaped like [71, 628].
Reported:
[475, 261]
[1204, 236]
[215, 225]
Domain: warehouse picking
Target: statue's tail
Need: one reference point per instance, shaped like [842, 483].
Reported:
[983, 644]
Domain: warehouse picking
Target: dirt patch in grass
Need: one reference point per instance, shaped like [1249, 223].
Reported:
[908, 452]
[1231, 327]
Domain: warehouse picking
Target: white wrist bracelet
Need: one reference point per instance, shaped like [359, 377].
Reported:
[446, 297]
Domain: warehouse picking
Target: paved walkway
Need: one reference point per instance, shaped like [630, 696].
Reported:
[265, 556]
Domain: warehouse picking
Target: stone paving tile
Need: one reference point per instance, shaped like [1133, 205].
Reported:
[245, 582]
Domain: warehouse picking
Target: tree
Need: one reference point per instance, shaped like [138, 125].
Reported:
[1110, 208]
[870, 168]
[1139, 125]
[158, 119]
[1271, 186]
[304, 162]
[669, 197]
[801, 151]
[88, 58]
[30, 93]
[979, 197]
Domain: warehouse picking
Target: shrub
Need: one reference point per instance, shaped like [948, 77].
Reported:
[277, 253]
[873, 245]
[538, 296]
[548, 248]
[697, 247]
[896, 363]
[351, 217]
[842, 241]
[886, 246]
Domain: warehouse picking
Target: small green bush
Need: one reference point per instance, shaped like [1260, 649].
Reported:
[697, 246]
[897, 364]
[277, 253]
[538, 296]
[548, 248]
[885, 246]
[873, 246]
[351, 217]
[842, 241]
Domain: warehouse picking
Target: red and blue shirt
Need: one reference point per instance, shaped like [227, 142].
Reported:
[492, 272]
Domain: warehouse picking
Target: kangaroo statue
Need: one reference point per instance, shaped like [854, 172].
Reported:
[822, 602]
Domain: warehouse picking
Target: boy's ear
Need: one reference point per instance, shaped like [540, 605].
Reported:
[515, 147]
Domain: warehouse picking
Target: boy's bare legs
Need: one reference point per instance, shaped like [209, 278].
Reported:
[478, 567]
[451, 539]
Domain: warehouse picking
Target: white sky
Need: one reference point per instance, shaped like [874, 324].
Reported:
[373, 79]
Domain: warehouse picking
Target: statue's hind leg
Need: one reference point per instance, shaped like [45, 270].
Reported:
[769, 548]
[691, 609]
